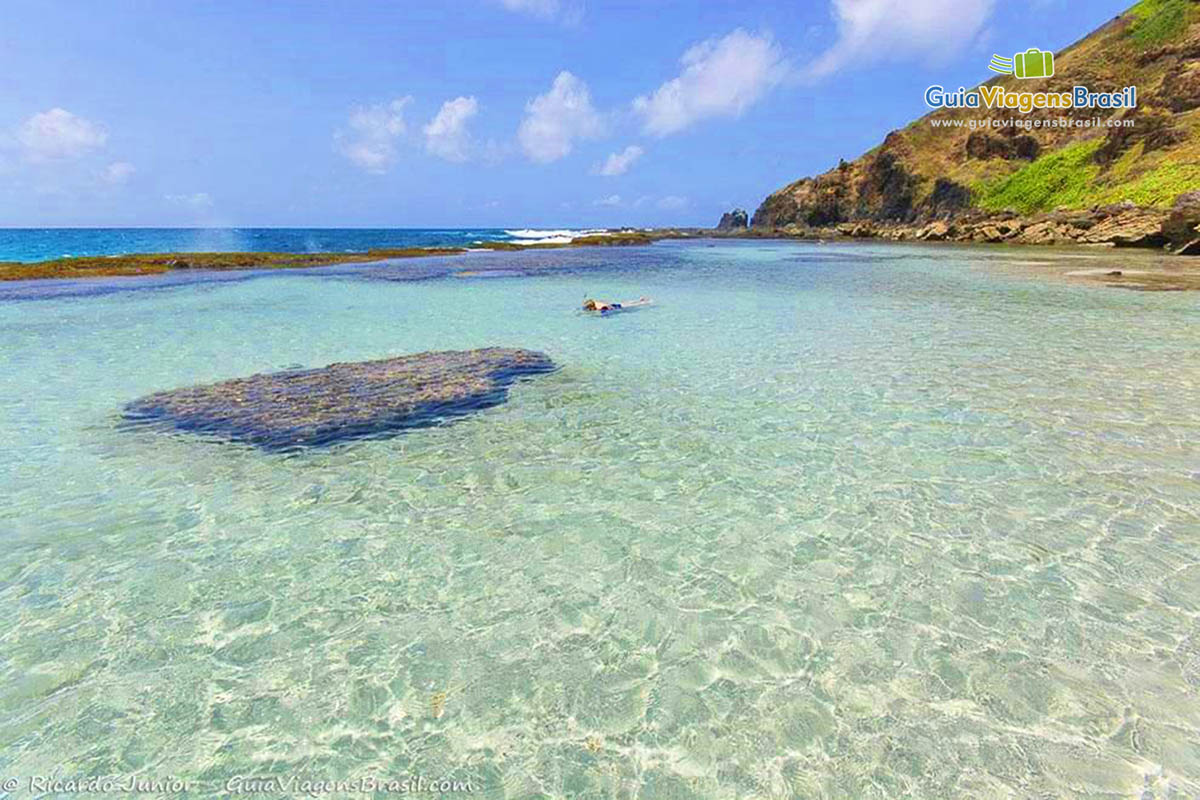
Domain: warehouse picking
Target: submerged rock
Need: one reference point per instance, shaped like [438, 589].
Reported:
[316, 407]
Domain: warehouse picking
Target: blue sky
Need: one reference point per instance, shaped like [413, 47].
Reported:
[468, 113]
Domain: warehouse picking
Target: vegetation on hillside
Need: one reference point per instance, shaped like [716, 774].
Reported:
[1061, 178]
[1156, 22]
[928, 170]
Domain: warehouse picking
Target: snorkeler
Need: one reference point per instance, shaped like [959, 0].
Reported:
[594, 305]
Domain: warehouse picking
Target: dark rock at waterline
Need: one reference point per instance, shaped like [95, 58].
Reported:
[1192, 248]
[317, 407]
[734, 220]
[1182, 225]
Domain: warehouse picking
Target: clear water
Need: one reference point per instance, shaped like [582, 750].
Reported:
[829, 522]
[40, 244]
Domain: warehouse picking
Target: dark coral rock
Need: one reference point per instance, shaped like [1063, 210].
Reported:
[318, 407]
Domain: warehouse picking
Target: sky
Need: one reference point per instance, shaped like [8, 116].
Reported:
[468, 113]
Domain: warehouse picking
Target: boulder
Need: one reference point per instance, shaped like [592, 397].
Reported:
[1132, 228]
[734, 220]
[1044, 232]
[1182, 225]
[934, 232]
[990, 233]
[318, 407]
[1078, 218]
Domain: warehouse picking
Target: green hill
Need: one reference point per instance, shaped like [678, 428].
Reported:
[939, 168]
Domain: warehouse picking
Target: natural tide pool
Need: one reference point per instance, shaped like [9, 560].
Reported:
[852, 521]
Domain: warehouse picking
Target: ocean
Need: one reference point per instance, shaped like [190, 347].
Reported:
[826, 521]
[41, 244]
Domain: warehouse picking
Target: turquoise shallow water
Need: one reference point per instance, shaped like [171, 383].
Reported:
[828, 522]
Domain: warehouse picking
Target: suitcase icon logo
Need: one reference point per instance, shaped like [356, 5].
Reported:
[1033, 63]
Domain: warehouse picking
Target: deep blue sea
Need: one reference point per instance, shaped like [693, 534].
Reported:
[40, 244]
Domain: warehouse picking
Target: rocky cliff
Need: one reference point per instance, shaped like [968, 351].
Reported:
[941, 167]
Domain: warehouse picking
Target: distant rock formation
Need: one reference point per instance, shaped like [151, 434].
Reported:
[734, 220]
[317, 407]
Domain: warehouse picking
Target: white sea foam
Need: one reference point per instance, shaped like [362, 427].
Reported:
[556, 236]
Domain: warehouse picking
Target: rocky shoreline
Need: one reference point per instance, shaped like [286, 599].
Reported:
[1109, 226]
[1175, 231]
[1167, 232]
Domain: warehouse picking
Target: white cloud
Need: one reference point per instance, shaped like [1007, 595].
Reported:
[612, 201]
[59, 134]
[877, 30]
[196, 201]
[446, 134]
[537, 8]
[619, 163]
[672, 202]
[554, 120]
[568, 12]
[118, 172]
[370, 142]
[720, 78]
